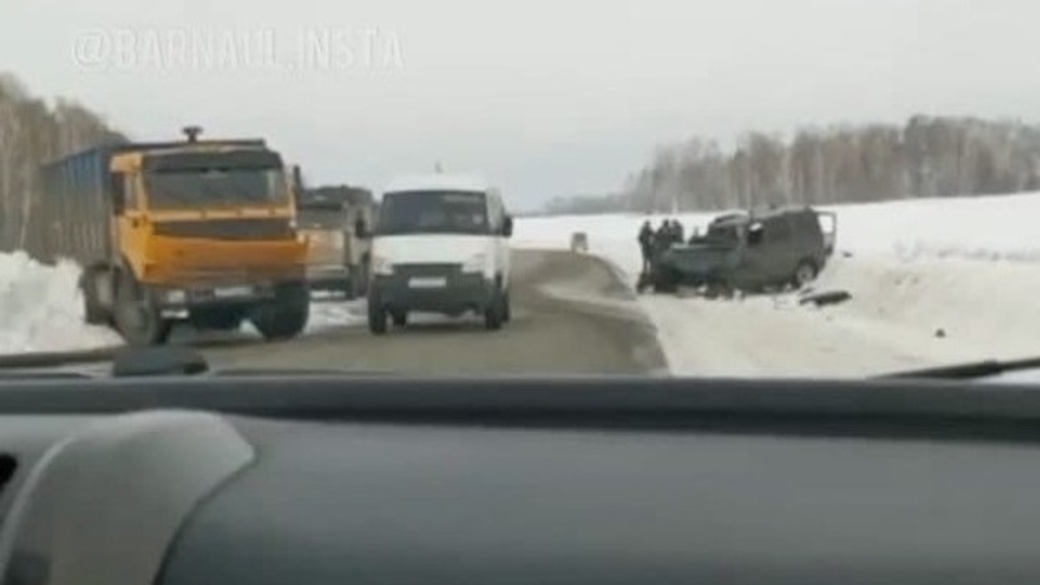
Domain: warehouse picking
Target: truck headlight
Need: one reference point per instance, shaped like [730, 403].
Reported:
[382, 266]
[475, 263]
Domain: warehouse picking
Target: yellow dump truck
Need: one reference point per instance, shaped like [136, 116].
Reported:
[335, 221]
[196, 230]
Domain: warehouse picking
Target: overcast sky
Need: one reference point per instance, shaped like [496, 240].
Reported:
[545, 97]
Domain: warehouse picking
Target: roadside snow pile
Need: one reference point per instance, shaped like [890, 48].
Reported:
[43, 309]
[902, 315]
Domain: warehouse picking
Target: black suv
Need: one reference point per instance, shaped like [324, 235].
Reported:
[750, 252]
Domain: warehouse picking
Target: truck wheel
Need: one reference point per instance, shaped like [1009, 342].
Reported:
[217, 318]
[286, 316]
[356, 288]
[137, 315]
[363, 276]
[93, 313]
[376, 318]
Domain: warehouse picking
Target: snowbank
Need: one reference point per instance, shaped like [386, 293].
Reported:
[41, 310]
[933, 281]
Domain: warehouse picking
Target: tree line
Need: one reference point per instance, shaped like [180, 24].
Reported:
[925, 157]
[32, 133]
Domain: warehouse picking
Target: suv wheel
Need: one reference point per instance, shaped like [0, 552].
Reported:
[804, 274]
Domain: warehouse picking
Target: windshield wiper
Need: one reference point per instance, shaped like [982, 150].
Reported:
[967, 371]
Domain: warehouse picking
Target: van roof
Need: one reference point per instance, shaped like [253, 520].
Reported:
[439, 182]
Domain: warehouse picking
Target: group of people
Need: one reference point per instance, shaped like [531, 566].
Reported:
[652, 242]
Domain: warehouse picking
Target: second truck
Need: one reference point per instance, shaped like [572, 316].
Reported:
[195, 230]
[336, 221]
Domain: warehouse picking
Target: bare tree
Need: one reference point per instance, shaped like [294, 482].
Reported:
[926, 157]
[31, 134]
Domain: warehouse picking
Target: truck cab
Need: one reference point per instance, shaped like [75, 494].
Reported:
[197, 231]
[440, 244]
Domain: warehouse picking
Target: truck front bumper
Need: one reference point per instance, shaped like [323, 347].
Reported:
[179, 298]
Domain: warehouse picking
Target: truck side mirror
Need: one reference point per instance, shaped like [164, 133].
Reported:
[118, 190]
[507, 226]
[361, 229]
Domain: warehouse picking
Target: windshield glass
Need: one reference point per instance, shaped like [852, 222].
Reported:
[594, 175]
[725, 233]
[215, 188]
[433, 212]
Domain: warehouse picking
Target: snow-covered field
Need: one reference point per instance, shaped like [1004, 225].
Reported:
[933, 282]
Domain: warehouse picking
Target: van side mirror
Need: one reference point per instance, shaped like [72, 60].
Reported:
[507, 226]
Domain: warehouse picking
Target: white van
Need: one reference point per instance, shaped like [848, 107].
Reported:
[440, 245]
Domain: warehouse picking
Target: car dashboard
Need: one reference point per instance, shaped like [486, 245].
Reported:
[322, 480]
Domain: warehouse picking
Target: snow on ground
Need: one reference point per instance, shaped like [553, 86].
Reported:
[933, 282]
[41, 310]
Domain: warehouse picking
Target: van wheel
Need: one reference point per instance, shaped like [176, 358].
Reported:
[286, 316]
[376, 318]
[494, 314]
[137, 315]
[400, 319]
[804, 274]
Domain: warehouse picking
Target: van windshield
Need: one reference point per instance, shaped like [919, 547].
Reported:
[433, 212]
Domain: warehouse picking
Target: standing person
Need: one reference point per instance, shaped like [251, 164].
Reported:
[680, 231]
[663, 237]
[646, 244]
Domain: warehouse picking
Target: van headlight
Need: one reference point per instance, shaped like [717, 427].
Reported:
[475, 263]
[382, 266]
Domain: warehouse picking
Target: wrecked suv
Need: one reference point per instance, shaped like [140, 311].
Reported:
[749, 252]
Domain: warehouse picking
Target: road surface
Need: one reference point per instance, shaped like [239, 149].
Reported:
[571, 314]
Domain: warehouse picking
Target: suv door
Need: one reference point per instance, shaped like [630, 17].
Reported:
[782, 248]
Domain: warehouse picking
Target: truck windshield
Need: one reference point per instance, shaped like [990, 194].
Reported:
[214, 188]
[433, 212]
[320, 217]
